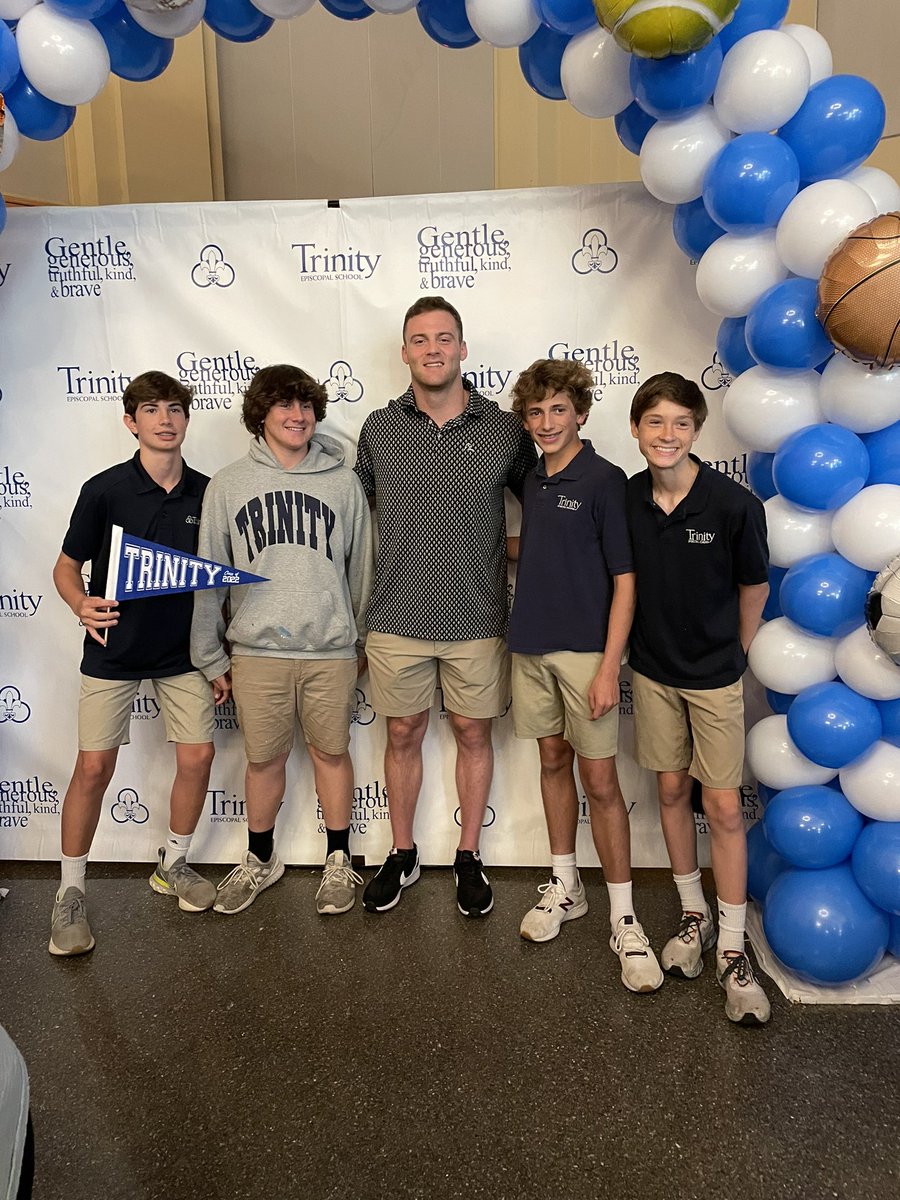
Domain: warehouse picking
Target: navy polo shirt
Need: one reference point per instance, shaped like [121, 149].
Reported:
[690, 564]
[152, 638]
[574, 539]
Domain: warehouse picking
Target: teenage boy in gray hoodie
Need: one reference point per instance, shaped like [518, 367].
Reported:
[292, 512]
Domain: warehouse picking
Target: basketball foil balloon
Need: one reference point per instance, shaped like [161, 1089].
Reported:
[859, 293]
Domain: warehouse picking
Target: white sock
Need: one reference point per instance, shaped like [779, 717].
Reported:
[732, 918]
[563, 867]
[177, 846]
[620, 903]
[72, 872]
[690, 892]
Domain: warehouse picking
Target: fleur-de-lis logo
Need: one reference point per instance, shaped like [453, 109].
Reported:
[340, 384]
[128, 807]
[715, 376]
[595, 254]
[12, 706]
[212, 269]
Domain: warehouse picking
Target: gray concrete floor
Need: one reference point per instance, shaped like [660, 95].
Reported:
[417, 1054]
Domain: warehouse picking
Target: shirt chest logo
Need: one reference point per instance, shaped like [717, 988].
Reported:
[565, 502]
[700, 536]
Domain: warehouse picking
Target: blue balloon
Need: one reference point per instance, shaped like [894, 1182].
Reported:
[2, 214]
[632, 126]
[82, 10]
[731, 344]
[821, 925]
[772, 607]
[750, 182]
[237, 20]
[694, 229]
[812, 826]
[820, 467]
[836, 128]
[825, 594]
[540, 59]
[134, 53]
[37, 118]
[764, 865]
[889, 711]
[884, 454]
[445, 22]
[779, 702]
[567, 16]
[347, 10]
[9, 58]
[752, 15]
[876, 864]
[894, 940]
[833, 725]
[783, 331]
[670, 87]
[759, 474]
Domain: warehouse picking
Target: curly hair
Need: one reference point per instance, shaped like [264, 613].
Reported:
[546, 377]
[270, 385]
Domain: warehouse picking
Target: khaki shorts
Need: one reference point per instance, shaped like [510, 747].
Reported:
[550, 696]
[693, 729]
[404, 672]
[272, 693]
[104, 710]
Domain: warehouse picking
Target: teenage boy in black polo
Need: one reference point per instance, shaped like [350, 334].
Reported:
[435, 463]
[567, 633]
[701, 560]
[157, 496]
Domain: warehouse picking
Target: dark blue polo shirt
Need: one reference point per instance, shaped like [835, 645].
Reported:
[152, 638]
[690, 564]
[574, 539]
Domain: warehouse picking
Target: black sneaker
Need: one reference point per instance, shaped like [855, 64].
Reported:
[399, 871]
[474, 897]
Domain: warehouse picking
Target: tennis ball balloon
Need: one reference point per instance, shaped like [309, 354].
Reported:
[658, 28]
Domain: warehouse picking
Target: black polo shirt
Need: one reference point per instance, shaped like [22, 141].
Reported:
[574, 539]
[690, 564]
[441, 568]
[152, 638]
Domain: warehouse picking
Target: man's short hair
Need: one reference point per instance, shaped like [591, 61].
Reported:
[432, 304]
[280, 382]
[546, 377]
[668, 385]
[156, 387]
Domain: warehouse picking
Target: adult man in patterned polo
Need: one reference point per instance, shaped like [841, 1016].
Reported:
[435, 463]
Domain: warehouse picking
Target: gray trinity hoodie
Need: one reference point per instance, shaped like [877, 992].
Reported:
[308, 530]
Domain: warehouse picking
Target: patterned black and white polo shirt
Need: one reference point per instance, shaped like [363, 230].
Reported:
[441, 570]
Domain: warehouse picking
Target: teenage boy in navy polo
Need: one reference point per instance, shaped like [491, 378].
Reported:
[701, 560]
[435, 463]
[154, 495]
[568, 631]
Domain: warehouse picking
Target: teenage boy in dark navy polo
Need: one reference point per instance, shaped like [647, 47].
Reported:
[157, 496]
[701, 560]
[568, 631]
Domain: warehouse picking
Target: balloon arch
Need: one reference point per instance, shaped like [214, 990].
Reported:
[696, 90]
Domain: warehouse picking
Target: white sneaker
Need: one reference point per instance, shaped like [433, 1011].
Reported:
[683, 953]
[241, 886]
[745, 1001]
[640, 970]
[337, 891]
[541, 923]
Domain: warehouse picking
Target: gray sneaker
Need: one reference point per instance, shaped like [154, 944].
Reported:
[640, 970]
[241, 886]
[745, 1001]
[69, 929]
[683, 953]
[337, 891]
[195, 894]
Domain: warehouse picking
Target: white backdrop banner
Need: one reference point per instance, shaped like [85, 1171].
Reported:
[89, 298]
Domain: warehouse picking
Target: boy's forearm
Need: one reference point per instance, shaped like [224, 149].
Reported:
[751, 602]
[621, 615]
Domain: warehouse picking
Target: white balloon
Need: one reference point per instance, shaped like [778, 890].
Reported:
[883, 188]
[865, 667]
[764, 80]
[776, 761]
[502, 23]
[594, 74]
[821, 63]
[675, 155]
[13, 10]
[795, 533]
[866, 530]
[858, 398]
[763, 406]
[392, 7]
[735, 271]
[872, 783]
[10, 146]
[816, 222]
[176, 22]
[787, 659]
[64, 59]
